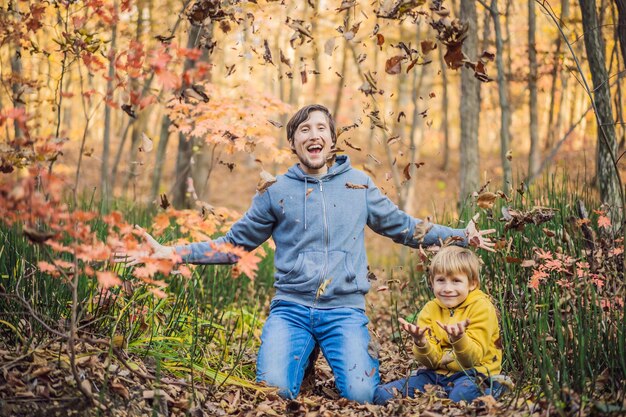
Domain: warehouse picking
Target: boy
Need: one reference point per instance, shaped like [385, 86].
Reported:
[457, 337]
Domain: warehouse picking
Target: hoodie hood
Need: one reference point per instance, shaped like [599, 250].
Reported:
[341, 165]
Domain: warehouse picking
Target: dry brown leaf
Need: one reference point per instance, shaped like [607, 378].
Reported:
[486, 200]
[421, 229]
[527, 263]
[394, 65]
[356, 186]
[120, 389]
[265, 182]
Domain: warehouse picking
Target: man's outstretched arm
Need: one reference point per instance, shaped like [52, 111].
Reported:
[385, 218]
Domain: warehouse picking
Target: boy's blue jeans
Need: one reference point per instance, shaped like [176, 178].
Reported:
[292, 331]
[464, 385]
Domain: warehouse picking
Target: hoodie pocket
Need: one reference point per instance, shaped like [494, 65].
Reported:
[305, 274]
[342, 275]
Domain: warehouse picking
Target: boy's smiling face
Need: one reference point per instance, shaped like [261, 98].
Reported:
[452, 289]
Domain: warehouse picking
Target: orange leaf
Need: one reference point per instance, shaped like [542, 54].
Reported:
[107, 279]
[604, 221]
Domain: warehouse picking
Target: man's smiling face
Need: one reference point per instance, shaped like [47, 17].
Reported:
[312, 143]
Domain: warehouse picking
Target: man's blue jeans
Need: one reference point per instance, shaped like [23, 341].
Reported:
[293, 330]
[465, 385]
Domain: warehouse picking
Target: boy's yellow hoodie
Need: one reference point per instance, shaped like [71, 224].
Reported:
[480, 348]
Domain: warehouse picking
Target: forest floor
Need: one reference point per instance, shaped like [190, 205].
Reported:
[40, 383]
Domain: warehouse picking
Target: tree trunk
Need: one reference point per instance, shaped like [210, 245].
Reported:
[444, 113]
[157, 173]
[505, 111]
[557, 68]
[139, 124]
[16, 72]
[606, 175]
[533, 156]
[470, 108]
[621, 27]
[185, 145]
[106, 138]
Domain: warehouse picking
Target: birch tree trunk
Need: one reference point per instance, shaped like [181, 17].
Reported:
[533, 156]
[180, 197]
[606, 175]
[505, 111]
[470, 107]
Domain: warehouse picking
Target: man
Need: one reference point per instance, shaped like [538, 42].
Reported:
[317, 216]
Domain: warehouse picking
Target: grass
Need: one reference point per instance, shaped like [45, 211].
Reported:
[564, 341]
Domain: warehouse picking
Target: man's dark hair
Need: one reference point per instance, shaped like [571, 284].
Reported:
[303, 114]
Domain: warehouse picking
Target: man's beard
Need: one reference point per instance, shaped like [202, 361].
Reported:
[311, 165]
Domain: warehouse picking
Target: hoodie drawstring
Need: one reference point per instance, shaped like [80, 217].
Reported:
[305, 198]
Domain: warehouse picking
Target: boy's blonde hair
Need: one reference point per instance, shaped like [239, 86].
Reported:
[454, 259]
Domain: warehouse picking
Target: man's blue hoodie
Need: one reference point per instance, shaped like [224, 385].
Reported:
[318, 227]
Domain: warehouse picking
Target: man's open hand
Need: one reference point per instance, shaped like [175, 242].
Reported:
[477, 237]
[134, 257]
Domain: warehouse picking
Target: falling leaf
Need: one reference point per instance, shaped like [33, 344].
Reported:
[356, 186]
[275, 124]
[421, 229]
[284, 59]
[322, 288]
[266, 181]
[329, 46]
[486, 200]
[509, 154]
[164, 201]
[374, 158]
[527, 263]
[427, 46]
[382, 288]
[267, 55]
[407, 169]
[548, 232]
[37, 236]
[513, 260]
[164, 39]
[356, 148]
[393, 140]
[345, 5]
[146, 143]
[380, 39]
[129, 110]
[370, 373]
[488, 56]
[309, 191]
[394, 65]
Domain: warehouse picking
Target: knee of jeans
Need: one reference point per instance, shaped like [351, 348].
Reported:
[465, 391]
[286, 389]
[383, 393]
[361, 394]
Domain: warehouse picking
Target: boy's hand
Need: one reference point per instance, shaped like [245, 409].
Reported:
[476, 237]
[455, 331]
[418, 333]
[157, 251]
